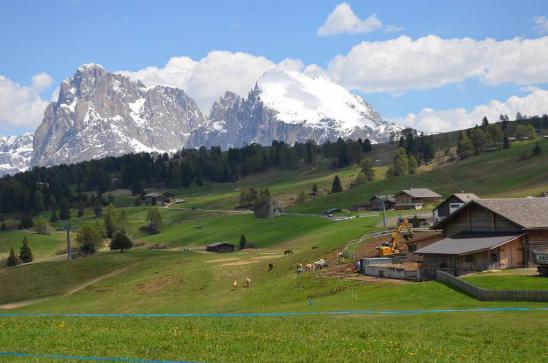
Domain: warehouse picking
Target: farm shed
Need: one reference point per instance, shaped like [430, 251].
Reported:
[377, 200]
[487, 234]
[414, 198]
[451, 204]
[220, 247]
[157, 197]
[419, 242]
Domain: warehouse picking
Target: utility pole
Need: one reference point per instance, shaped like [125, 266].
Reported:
[69, 247]
[384, 211]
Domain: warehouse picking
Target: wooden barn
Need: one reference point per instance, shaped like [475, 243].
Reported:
[157, 197]
[220, 247]
[451, 204]
[414, 198]
[488, 234]
[377, 200]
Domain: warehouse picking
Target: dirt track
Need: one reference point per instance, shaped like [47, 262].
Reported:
[18, 304]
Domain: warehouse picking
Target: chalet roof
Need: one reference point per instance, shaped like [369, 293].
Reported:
[216, 244]
[467, 242]
[385, 197]
[466, 197]
[421, 193]
[463, 197]
[529, 213]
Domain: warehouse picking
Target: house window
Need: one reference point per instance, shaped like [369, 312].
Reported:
[469, 258]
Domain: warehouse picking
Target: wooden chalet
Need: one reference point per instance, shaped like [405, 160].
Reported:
[414, 198]
[488, 234]
[451, 204]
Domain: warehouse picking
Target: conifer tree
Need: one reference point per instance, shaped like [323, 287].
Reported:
[336, 187]
[243, 241]
[53, 217]
[12, 259]
[537, 150]
[506, 143]
[64, 212]
[25, 254]
[154, 218]
[120, 241]
[412, 162]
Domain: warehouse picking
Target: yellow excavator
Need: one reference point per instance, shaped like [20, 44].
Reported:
[390, 248]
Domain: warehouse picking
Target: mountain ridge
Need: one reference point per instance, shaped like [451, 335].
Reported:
[99, 113]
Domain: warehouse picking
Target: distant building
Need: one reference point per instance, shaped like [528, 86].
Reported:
[451, 204]
[488, 234]
[157, 197]
[377, 200]
[414, 198]
[220, 247]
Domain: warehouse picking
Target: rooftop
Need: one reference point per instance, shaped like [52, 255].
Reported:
[421, 193]
[466, 197]
[527, 212]
[467, 242]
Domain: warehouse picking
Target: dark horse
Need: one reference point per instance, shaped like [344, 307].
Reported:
[288, 252]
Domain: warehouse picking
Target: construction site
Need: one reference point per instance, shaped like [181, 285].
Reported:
[476, 235]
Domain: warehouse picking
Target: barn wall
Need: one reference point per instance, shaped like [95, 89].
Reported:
[411, 257]
[477, 219]
[511, 254]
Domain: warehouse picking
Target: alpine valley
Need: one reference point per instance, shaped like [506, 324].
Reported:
[100, 113]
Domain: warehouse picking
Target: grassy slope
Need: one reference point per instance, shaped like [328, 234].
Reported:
[508, 280]
[478, 337]
[493, 174]
[170, 281]
[42, 246]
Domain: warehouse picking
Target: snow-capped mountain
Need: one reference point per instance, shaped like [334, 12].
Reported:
[99, 113]
[15, 153]
[291, 107]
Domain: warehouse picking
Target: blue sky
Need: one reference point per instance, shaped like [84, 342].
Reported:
[55, 37]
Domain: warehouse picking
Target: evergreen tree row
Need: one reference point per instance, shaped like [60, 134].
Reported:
[60, 188]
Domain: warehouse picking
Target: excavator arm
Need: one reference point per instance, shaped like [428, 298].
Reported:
[392, 247]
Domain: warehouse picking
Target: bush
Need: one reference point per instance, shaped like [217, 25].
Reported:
[89, 238]
[154, 218]
[41, 226]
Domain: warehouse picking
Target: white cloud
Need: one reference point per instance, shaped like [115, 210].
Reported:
[176, 73]
[431, 120]
[541, 24]
[429, 62]
[393, 28]
[344, 20]
[209, 78]
[22, 106]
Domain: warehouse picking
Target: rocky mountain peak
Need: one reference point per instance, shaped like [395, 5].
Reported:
[99, 113]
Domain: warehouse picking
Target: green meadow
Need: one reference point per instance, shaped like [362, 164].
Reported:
[170, 272]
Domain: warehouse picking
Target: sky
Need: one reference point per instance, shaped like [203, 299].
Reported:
[432, 65]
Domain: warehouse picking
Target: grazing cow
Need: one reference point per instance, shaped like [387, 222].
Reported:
[270, 267]
[288, 252]
[309, 267]
[234, 284]
[248, 282]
